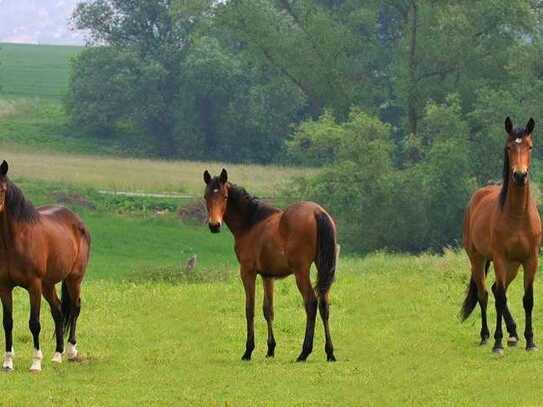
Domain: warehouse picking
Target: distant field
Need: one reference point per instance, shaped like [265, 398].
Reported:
[35, 70]
[120, 174]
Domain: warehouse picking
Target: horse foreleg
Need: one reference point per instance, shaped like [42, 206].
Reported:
[248, 277]
[500, 270]
[310, 302]
[34, 324]
[7, 306]
[530, 268]
[267, 308]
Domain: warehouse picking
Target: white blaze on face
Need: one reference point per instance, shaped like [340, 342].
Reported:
[518, 140]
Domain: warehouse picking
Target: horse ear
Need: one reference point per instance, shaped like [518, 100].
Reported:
[508, 125]
[224, 176]
[4, 168]
[530, 126]
[207, 177]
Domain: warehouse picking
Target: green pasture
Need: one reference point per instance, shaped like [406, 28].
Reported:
[35, 70]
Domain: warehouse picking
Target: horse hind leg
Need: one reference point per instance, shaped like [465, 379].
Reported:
[477, 293]
[71, 308]
[510, 323]
[50, 294]
[310, 302]
[324, 310]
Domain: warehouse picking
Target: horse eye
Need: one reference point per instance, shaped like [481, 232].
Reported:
[531, 147]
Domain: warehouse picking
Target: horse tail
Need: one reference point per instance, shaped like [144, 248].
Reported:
[326, 253]
[84, 244]
[472, 297]
[67, 306]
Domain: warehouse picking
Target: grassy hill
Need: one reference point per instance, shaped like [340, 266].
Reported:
[35, 70]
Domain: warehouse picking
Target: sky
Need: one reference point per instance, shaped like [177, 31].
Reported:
[38, 22]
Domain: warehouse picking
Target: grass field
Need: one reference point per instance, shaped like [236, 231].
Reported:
[397, 339]
[124, 174]
[35, 70]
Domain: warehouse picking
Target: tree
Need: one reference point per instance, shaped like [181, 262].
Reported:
[156, 39]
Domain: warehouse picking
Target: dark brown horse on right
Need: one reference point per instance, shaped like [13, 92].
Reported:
[502, 225]
[274, 244]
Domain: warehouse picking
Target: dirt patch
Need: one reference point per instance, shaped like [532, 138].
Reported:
[65, 198]
[194, 211]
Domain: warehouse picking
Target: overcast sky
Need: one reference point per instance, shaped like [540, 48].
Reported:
[38, 21]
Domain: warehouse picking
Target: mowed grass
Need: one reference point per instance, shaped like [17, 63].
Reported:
[139, 175]
[397, 338]
[35, 70]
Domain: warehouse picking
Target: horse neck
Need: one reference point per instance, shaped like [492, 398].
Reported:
[518, 199]
[235, 218]
[6, 231]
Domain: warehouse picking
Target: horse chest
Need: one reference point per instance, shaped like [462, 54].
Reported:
[517, 246]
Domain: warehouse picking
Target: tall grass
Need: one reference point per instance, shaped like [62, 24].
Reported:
[124, 174]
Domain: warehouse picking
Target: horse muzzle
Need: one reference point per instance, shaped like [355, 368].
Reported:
[215, 227]
[520, 177]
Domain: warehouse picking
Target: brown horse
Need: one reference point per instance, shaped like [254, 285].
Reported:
[502, 225]
[39, 248]
[275, 244]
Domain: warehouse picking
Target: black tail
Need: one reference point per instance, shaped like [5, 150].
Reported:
[470, 302]
[472, 297]
[326, 253]
[67, 309]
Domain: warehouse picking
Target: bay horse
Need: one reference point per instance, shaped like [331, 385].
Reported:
[502, 225]
[40, 247]
[274, 244]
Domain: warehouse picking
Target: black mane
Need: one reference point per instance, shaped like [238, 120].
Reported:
[516, 133]
[18, 206]
[256, 210]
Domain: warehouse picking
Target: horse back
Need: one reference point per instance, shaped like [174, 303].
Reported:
[66, 236]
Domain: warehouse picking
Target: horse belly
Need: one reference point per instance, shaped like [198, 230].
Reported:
[273, 262]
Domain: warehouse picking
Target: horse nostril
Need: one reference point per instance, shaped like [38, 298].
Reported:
[215, 227]
[520, 176]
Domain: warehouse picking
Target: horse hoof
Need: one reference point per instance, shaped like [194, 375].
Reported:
[7, 369]
[531, 348]
[57, 357]
[512, 341]
[331, 358]
[484, 341]
[301, 358]
[246, 358]
[497, 351]
[270, 355]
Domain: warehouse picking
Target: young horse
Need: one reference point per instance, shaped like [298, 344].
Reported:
[39, 248]
[275, 244]
[502, 225]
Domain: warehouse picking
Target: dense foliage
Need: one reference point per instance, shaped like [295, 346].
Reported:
[401, 102]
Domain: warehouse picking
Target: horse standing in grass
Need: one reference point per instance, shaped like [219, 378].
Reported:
[502, 225]
[275, 244]
[39, 248]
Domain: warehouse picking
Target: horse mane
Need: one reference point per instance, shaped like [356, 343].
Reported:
[20, 208]
[516, 133]
[256, 209]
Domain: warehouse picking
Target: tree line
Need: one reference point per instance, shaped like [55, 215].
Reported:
[401, 102]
